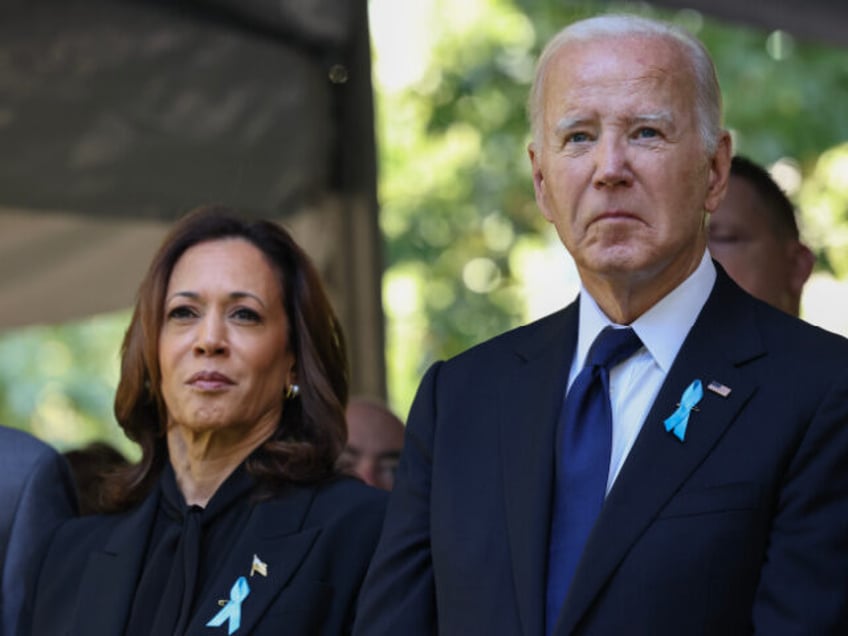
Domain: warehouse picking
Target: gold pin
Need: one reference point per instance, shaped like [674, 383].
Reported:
[258, 566]
[693, 408]
[223, 602]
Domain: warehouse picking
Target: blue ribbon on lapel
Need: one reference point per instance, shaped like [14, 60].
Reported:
[232, 610]
[676, 423]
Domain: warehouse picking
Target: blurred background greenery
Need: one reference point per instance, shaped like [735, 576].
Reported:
[467, 255]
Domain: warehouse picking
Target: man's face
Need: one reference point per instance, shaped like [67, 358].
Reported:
[620, 168]
[745, 242]
[374, 444]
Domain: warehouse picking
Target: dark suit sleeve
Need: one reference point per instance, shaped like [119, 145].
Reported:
[803, 587]
[47, 498]
[398, 595]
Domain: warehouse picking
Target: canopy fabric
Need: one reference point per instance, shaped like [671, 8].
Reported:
[824, 21]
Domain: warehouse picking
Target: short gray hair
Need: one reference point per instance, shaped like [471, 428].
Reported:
[708, 94]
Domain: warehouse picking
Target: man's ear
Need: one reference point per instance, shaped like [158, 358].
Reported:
[719, 172]
[803, 260]
[539, 185]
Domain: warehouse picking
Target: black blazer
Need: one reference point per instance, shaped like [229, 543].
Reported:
[740, 529]
[316, 541]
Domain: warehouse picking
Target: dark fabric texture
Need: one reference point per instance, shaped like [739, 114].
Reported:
[316, 542]
[181, 554]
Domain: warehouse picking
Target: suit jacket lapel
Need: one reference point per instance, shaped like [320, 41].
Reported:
[111, 574]
[659, 463]
[274, 535]
[530, 401]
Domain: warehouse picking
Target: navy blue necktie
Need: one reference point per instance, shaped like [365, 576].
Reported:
[584, 440]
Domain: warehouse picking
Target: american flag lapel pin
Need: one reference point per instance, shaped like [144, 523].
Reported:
[719, 388]
[258, 566]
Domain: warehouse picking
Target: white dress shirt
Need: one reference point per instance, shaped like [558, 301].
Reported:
[635, 382]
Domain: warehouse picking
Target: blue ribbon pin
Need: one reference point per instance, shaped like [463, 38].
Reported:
[232, 610]
[676, 423]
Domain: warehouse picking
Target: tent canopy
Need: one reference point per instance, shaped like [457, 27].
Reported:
[117, 116]
[824, 21]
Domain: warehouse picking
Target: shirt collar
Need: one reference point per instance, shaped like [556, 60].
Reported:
[662, 328]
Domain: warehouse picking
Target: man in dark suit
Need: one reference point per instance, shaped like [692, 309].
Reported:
[36, 494]
[721, 442]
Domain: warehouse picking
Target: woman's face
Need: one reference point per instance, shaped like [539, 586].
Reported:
[224, 346]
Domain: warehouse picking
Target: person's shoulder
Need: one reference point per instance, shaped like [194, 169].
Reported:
[340, 504]
[731, 307]
[85, 532]
[800, 338]
[21, 446]
[334, 496]
[96, 522]
[524, 339]
[28, 460]
[347, 495]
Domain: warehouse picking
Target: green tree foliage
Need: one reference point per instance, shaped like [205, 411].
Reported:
[59, 381]
[824, 201]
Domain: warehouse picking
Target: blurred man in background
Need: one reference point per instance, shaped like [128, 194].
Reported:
[754, 235]
[374, 442]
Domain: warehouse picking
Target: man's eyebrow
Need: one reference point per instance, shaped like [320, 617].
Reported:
[569, 123]
[662, 117]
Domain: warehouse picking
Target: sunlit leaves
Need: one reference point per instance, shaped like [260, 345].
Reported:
[59, 381]
[824, 202]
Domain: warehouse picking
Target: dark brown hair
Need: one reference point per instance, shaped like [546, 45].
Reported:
[311, 432]
[92, 466]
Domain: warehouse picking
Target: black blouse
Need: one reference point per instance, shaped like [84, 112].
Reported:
[186, 547]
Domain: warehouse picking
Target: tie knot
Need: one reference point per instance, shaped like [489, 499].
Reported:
[612, 346]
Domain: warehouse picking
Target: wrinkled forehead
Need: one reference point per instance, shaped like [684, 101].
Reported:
[632, 77]
[231, 265]
[627, 58]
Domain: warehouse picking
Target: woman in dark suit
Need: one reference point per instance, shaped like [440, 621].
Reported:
[233, 383]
